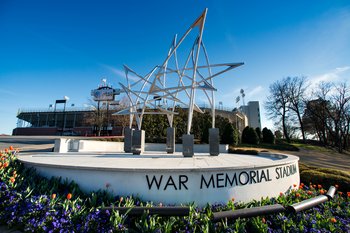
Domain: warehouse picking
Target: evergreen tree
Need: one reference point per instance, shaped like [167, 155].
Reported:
[249, 136]
[258, 132]
[228, 134]
[268, 136]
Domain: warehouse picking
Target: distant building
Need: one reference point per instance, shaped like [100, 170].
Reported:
[239, 120]
[71, 121]
[95, 120]
[252, 111]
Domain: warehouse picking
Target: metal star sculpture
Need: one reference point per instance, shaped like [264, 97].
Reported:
[169, 80]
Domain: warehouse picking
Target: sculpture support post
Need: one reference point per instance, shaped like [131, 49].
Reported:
[187, 145]
[128, 132]
[138, 142]
[214, 139]
[170, 140]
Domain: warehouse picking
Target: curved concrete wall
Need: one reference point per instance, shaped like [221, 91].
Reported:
[155, 179]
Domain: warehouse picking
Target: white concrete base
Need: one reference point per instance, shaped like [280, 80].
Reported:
[173, 179]
[64, 145]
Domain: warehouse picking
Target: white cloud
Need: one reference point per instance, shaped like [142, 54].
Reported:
[231, 94]
[121, 73]
[251, 94]
[339, 74]
[115, 71]
[7, 92]
[335, 75]
[255, 93]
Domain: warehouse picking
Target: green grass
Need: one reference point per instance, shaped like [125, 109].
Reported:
[279, 145]
[312, 147]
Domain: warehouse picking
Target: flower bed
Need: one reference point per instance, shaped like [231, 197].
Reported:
[31, 203]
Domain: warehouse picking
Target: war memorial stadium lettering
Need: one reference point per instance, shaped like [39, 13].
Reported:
[220, 180]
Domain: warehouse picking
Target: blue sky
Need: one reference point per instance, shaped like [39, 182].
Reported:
[51, 49]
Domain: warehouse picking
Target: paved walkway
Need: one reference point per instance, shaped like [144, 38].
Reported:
[324, 159]
[330, 159]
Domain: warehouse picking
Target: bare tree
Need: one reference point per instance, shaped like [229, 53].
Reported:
[338, 114]
[97, 118]
[123, 120]
[277, 104]
[329, 114]
[296, 98]
[315, 119]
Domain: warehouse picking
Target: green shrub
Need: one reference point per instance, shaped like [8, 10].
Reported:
[333, 171]
[244, 152]
[235, 137]
[230, 135]
[109, 139]
[283, 145]
[326, 179]
[258, 132]
[303, 167]
[268, 136]
[249, 136]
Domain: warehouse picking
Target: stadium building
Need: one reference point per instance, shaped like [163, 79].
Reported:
[96, 120]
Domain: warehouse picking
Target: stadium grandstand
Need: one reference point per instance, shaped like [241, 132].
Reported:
[91, 121]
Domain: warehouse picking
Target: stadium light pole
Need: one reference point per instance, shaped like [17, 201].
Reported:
[66, 98]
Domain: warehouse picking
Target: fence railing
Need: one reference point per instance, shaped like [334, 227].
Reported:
[111, 108]
[273, 209]
[229, 214]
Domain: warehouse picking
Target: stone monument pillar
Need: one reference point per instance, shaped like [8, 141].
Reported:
[138, 142]
[214, 141]
[170, 140]
[187, 145]
[128, 139]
